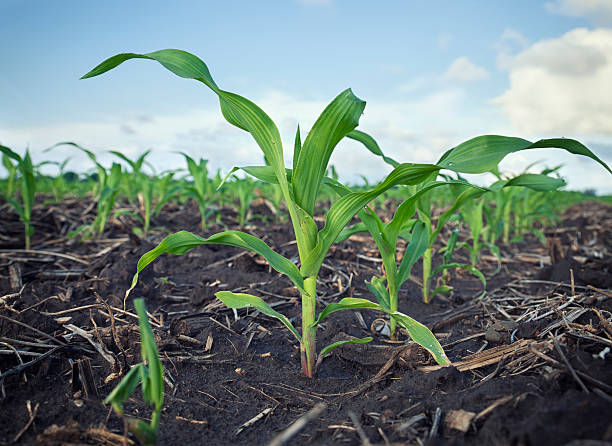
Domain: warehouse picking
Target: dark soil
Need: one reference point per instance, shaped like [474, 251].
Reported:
[541, 375]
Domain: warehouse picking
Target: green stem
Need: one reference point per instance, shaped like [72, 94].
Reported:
[308, 348]
[426, 274]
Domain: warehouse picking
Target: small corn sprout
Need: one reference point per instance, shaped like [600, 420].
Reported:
[149, 374]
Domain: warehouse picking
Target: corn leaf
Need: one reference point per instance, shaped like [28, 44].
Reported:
[378, 288]
[415, 249]
[536, 181]
[347, 303]
[236, 109]
[335, 122]
[469, 268]
[371, 144]
[422, 336]
[483, 153]
[326, 350]
[343, 210]
[152, 384]
[8, 152]
[181, 242]
[125, 388]
[241, 300]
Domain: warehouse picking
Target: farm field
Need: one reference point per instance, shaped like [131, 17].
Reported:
[275, 304]
[530, 357]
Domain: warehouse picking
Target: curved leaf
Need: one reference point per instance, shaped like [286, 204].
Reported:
[483, 153]
[241, 300]
[153, 380]
[343, 210]
[422, 336]
[326, 350]
[470, 268]
[339, 118]
[414, 251]
[182, 241]
[348, 303]
[236, 109]
[371, 144]
[536, 181]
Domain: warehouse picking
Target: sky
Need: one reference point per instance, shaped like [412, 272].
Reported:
[433, 74]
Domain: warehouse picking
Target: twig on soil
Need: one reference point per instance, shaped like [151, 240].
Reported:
[32, 414]
[298, 425]
[255, 419]
[100, 348]
[35, 330]
[47, 253]
[491, 407]
[365, 441]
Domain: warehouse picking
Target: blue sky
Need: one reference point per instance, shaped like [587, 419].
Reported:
[432, 74]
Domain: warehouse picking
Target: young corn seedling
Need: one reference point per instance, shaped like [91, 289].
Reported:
[26, 184]
[300, 187]
[150, 375]
[132, 181]
[477, 155]
[202, 190]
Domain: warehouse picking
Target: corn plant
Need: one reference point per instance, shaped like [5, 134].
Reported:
[132, 181]
[244, 189]
[300, 188]
[202, 189]
[26, 183]
[11, 179]
[149, 374]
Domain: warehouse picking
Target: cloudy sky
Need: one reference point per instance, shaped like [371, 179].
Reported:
[433, 75]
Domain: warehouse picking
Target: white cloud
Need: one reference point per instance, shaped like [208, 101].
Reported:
[562, 85]
[600, 11]
[463, 70]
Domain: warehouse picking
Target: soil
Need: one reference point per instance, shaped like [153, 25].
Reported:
[531, 361]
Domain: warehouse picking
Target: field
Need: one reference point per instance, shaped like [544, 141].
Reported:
[285, 306]
[527, 369]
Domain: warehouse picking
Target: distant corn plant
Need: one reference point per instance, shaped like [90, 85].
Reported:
[21, 178]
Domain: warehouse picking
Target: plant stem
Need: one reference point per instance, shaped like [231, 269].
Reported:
[426, 274]
[308, 348]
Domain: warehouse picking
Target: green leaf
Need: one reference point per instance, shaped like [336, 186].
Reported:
[236, 109]
[124, 389]
[414, 251]
[536, 182]
[483, 153]
[469, 268]
[241, 300]
[326, 350]
[422, 336]
[348, 303]
[343, 210]
[378, 287]
[181, 242]
[153, 383]
[339, 118]
[351, 230]
[297, 147]
[371, 144]
[8, 152]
